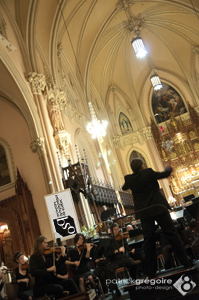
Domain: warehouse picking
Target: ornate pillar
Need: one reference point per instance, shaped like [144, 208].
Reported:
[46, 149]
[38, 146]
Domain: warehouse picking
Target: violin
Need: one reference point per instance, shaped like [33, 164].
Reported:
[49, 251]
[122, 236]
[25, 266]
[83, 246]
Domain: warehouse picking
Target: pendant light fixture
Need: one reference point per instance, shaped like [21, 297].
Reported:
[139, 48]
[155, 80]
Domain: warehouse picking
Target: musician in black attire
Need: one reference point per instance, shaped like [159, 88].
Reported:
[118, 256]
[61, 268]
[46, 281]
[146, 194]
[79, 259]
[25, 291]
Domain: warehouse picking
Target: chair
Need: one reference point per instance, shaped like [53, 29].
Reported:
[11, 291]
[160, 258]
[88, 286]
[122, 273]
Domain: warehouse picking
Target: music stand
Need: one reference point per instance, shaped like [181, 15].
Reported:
[102, 248]
[107, 214]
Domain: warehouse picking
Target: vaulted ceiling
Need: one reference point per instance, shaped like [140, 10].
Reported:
[96, 35]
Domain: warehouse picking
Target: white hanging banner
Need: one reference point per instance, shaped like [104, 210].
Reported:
[62, 214]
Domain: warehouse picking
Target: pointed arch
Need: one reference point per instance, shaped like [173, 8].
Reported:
[10, 165]
[139, 151]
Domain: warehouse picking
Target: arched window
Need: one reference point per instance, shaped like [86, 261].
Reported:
[7, 171]
[136, 154]
[125, 124]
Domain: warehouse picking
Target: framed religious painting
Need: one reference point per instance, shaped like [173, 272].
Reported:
[167, 103]
[125, 124]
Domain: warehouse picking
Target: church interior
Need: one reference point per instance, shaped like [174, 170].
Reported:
[77, 104]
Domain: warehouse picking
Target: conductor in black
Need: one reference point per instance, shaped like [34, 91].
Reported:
[152, 206]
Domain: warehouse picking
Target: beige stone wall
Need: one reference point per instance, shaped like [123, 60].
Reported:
[15, 131]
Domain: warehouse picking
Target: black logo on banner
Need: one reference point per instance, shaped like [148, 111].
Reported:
[59, 207]
[65, 226]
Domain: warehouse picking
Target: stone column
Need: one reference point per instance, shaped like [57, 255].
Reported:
[38, 147]
[42, 145]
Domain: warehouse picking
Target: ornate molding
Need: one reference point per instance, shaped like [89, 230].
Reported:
[124, 4]
[59, 49]
[6, 43]
[145, 134]
[37, 81]
[195, 49]
[62, 141]
[135, 24]
[141, 136]
[38, 146]
[75, 116]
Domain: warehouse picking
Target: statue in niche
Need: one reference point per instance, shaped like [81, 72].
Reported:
[55, 116]
[174, 124]
[174, 184]
[181, 148]
[187, 146]
[192, 134]
[4, 171]
[196, 145]
[125, 124]
[163, 153]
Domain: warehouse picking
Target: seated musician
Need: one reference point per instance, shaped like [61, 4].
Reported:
[118, 258]
[61, 268]
[25, 291]
[79, 259]
[42, 268]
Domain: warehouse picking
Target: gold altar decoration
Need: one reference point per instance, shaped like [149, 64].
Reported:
[184, 152]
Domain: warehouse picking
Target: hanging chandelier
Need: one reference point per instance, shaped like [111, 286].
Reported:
[138, 46]
[155, 80]
[96, 127]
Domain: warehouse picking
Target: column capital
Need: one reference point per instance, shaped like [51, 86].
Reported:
[37, 82]
[38, 146]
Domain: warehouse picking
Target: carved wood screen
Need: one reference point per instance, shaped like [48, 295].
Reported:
[19, 213]
[184, 155]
